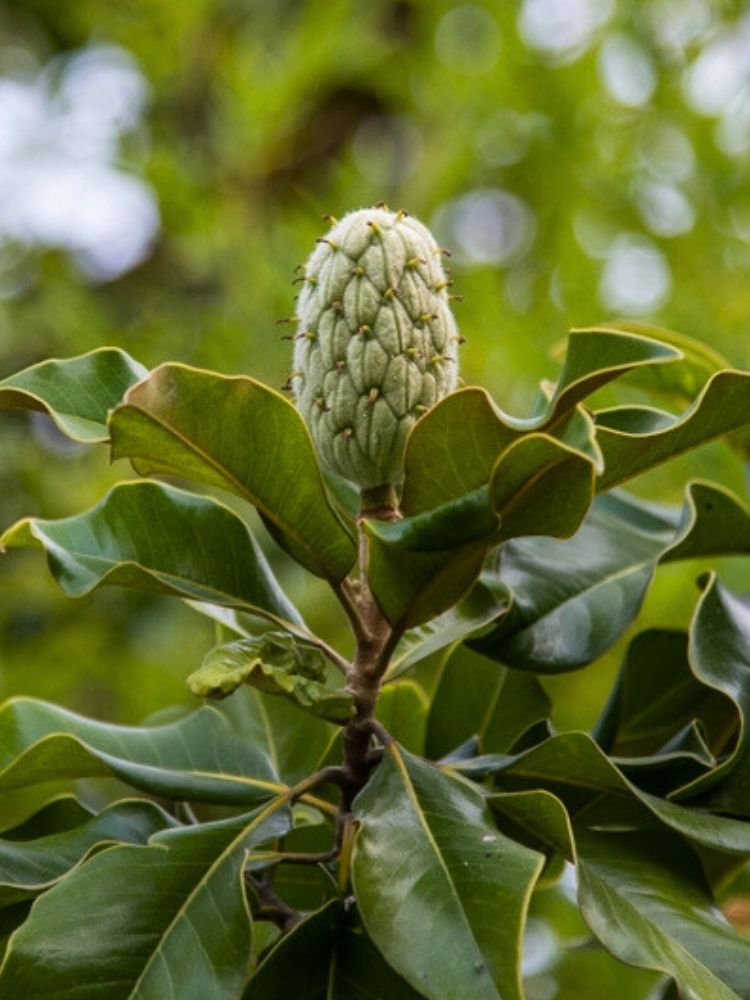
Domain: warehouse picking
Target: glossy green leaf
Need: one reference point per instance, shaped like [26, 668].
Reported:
[572, 767]
[715, 523]
[277, 664]
[29, 866]
[77, 393]
[169, 920]
[574, 598]
[237, 434]
[414, 587]
[156, 538]
[62, 813]
[644, 896]
[720, 655]
[476, 612]
[466, 519]
[196, 758]
[293, 742]
[402, 709]
[451, 451]
[540, 486]
[634, 439]
[327, 957]
[476, 697]
[429, 855]
[535, 818]
[648, 706]
[683, 378]
[537, 486]
[597, 355]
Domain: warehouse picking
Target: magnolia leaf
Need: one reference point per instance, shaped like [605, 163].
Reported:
[536, 819]
[644, 895]
[715, 522]
[277, 664]
[196, 758]
[452, 450]
[597, 355]
[634, 439]
[720, 657]
[58, 815]
[683, 379]
[573, 768]
[402, 709]
[471, 616]
[648, 707]
[538, 486]
[327, 957]
[573, 598]
[167, 920]
[293, 742]
[237, 434]
[77, 393]
[30, 866]
[427, 837]
[476, 697]
[414, 587]
[156, 538]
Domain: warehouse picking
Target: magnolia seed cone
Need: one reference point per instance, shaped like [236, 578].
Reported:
[376, 344]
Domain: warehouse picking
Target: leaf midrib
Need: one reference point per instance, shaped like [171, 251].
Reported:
[240, 488]
[199, 885]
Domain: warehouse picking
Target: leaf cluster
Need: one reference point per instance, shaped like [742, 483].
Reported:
[327, 824]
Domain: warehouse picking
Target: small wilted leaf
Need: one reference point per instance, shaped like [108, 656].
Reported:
[277, 664]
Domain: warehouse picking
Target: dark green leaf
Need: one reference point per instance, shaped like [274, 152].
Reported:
[574, 598]
[77, 393]
[237, 434]
[597, 355]
[535, 818]
[452, 450]
[294, 742]
[428, 855]
[573, 768]
[478, 610]
[327, 957]
[414, 587]
[540, 486]
[156, 538]
[402, 709]
[720, 656]
[644, 896]
[657, 694]
[715, 523]
[197, 758]
[169, 920]
[682, 379]
[56, 816]
[28, 867]
[634, 439]
[476, 697]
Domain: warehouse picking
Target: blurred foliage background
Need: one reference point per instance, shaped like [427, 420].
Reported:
[164, 166]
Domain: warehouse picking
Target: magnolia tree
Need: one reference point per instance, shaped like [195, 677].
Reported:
[326, 826]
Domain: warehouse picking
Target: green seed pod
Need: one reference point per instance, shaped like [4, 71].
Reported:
[376, 344]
